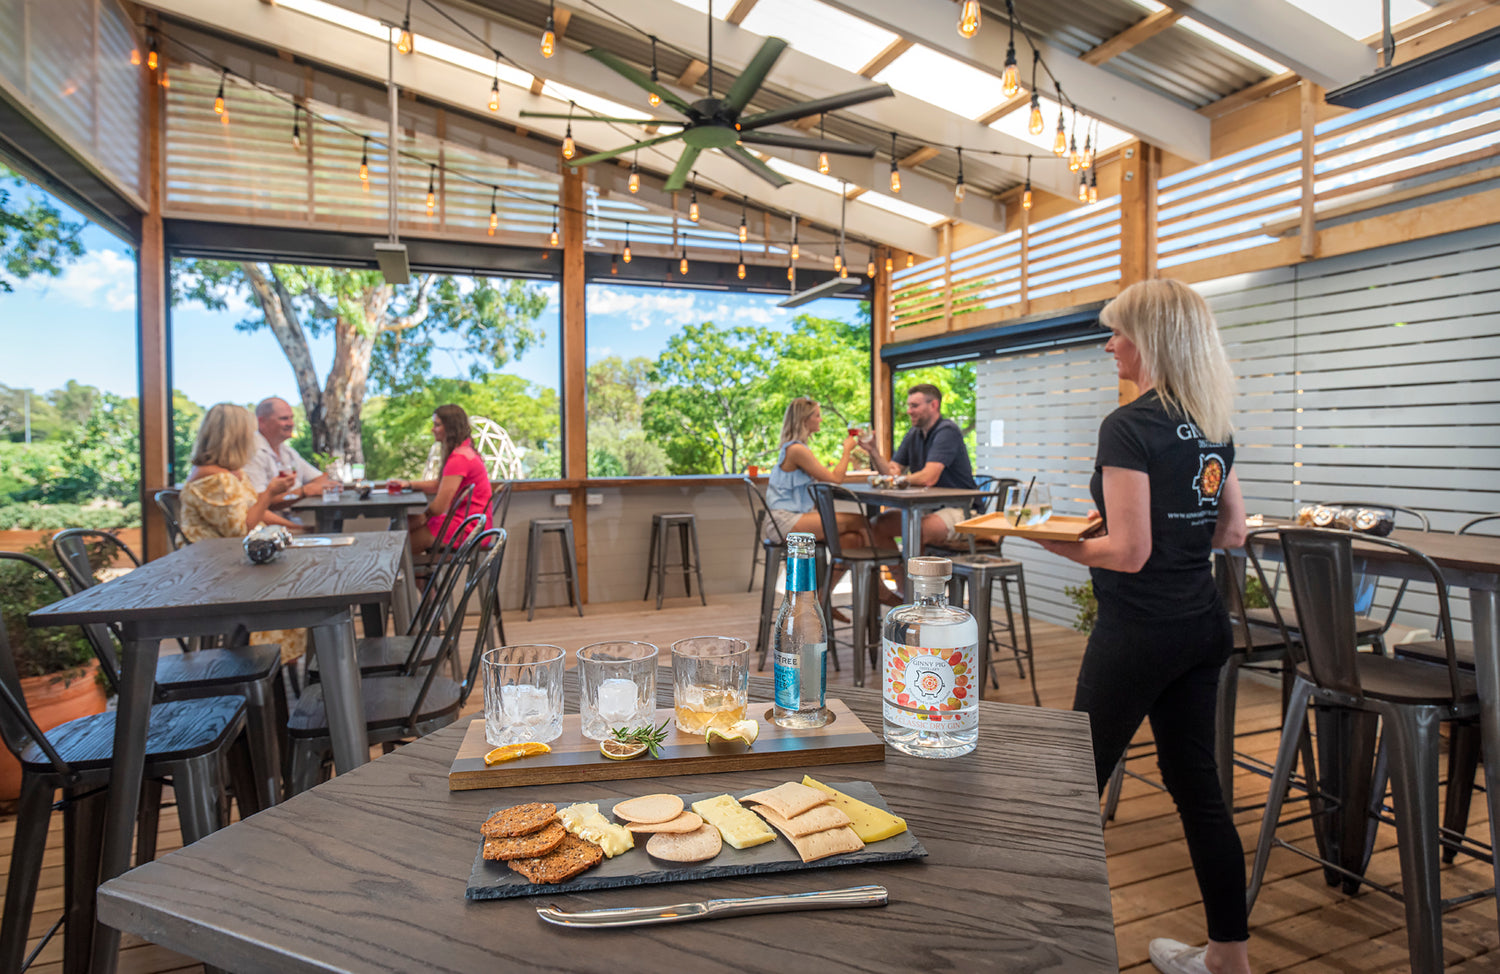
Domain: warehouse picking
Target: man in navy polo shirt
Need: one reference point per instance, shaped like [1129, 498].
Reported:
[932, 454]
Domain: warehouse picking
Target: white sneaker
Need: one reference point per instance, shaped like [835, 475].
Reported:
[1175, 957]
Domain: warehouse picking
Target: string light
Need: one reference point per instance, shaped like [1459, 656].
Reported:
[614, 266]
[296, 128]
[910, 260]
[1088, 148]
[870, 265]
[151, 57]
[740, 270]
[404, 43]
[364, 163]
[1083, 188]
[693, 201]
[495, 87]
[569, 147]
[796, 250]
[1060, 141]
[431, 189]
[552, 238]
[838, 259]
[844, 271]
[1010, 78]
[634, 183]
[1075, 158]
[135, 57]
[1026, 196]
[653, 99]
[1036, 124]
[958, 187]
[744, 228]
[822, 156]
[790, 272]
[1093, 186]
[166, 81]
[494, 214]
[549, 36]
[626, 255]
[682, 265]
[219, 98]
[890, 264]
[968, 19]
[895, 174]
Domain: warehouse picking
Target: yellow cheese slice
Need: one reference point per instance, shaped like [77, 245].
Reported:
[739, 826]
[584, 821]
[869, 823]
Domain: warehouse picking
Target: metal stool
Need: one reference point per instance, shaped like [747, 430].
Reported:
[539, 527]
[980, 572]
[656, 562]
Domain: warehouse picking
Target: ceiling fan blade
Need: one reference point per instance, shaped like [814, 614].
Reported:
[679, 176]
[636, 77]
[811, 144]
[612, 153]
[754, 75]
[747, 159]
[603, 118]
[817, 106]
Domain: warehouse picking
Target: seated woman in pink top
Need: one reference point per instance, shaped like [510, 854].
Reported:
[461, 467]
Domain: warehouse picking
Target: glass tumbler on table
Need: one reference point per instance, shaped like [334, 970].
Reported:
[1023, 509]
[523, 694]
[617, 687]
[710, 682]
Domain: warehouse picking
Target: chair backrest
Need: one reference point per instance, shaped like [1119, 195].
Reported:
[994, 497]
[824, 496]
[17, 728]
[1482, 519]
[481, 553]
[72, 550]
[761, 511]
[458, 509]
[170, 503]
[500, 504]
[444, 562]
[489, 614]
[1320, 572]
[97, 633]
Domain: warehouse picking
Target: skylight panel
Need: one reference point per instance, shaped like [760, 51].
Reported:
[603, 106]
[943, 81]
[902, 208]
[1249, 54]
[803, 175]
[1016, 123]
[1359, 20]
[814, 28]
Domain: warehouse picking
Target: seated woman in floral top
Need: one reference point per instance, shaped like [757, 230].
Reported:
[218, 501]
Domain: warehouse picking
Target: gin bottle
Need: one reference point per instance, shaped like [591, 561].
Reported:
[799, 641]
[930, 674]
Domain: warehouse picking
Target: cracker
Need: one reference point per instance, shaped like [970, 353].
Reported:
[790, 799]
[820, 818]
[698, 845]
[518, 820]
[527, 846]
[685, 822]
[571, 857]
[816, 845]
[649, 809]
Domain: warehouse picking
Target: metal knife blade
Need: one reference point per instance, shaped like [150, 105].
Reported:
[825, 899]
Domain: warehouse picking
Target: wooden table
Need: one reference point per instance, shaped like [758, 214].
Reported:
[913, 502]
[380, 503]
[209, 588]
[367, 873]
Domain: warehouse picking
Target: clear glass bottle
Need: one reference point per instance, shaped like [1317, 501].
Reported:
[799, 641]
[930, 675]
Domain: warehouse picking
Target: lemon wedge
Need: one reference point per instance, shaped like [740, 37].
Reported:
[621, 750]
[745, 731]
[510, 752]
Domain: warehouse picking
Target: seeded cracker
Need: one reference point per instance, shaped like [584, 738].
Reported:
[528, 846]
[518, 820]
[572, 857]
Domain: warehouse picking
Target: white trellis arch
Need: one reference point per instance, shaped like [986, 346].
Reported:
[501, 457]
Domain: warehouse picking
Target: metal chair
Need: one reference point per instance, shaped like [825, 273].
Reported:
[864, 564]
[253, 672]
[541, 527]
[772, 544]
[1410, 699]
[170, 504]
[499, 508]
[405, 706]
[995, 488]
[691, 562]
[188, 741]
[978, 573]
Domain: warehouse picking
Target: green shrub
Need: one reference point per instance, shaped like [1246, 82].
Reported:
[44, 650]
[55, 517]
[1088, 607]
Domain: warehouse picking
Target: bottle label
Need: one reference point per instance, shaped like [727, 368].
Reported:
[801, 675]
[788, 682]
[931, 689]
[801, 575]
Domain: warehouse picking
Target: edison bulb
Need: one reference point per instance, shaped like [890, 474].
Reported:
[890, 265]
[796, 251]
[1026, 199]
[219, 104]
[653, 99]
[151, 60]
[635, 182]
[495, 97]
[682, 267]
[789, 272]
[626, 255]
[431, 201]
[405, 44]
[1093, 193]
[569, 147]
[693, 211]
[823, 163]
[1010, 80]
[552, 238]
[968, 19]
[958, 192]
[741, 271]
[870, 269]
[1037, 123]
[1060, 143]
[895, 180]
[1083, 191]
[838, 262]
[843, 272]
[744, 233]
[549, 43]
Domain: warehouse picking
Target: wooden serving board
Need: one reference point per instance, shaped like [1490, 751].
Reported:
[1058, 527]
[494, 880]
[577, 758]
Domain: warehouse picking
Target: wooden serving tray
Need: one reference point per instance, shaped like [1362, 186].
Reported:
[577, 758]
[1058, 527]
[494, 880]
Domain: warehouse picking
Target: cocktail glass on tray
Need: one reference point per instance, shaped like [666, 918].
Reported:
[617, 683]
[523, 694]
[710, 681]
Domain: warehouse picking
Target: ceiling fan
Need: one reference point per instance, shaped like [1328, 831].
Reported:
[717, 123]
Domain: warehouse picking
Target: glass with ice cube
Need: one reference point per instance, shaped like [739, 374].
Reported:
[523, 694]
[617, 687]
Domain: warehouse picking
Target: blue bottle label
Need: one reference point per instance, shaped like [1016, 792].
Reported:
[801, 575]
[788, 681]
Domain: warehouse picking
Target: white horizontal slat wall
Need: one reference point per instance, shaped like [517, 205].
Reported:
[1370, 377]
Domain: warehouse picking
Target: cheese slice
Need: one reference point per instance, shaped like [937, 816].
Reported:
[739, 826]
[584, 821]
[869, 823]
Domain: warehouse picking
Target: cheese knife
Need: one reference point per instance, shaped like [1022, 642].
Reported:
[824, 899]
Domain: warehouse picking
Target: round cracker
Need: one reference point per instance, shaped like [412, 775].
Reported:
[649, 809]
[518, 820]
[686, 822]
[701, 844]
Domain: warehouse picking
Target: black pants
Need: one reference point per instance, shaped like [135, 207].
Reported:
[1168, 670]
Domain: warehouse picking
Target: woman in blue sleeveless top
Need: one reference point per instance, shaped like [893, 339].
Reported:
[789, 486]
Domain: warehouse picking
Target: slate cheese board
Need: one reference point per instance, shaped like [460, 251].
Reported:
[494, 880]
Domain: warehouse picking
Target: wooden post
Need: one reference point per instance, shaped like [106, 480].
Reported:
[1310, 94]
[1024, 295]
[880, 372]
[151, 324]
[575, 367]
[1140, 166]
[948, 276]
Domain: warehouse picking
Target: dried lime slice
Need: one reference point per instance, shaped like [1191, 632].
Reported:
[621, 750]
[744, 731]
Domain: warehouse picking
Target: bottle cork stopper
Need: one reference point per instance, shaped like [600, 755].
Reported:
[929, 567]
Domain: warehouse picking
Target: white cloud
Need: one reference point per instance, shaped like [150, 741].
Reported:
[642, 308]
[100, 278]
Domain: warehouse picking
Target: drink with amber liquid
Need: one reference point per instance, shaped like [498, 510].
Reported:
[710, 681]
[700, 707]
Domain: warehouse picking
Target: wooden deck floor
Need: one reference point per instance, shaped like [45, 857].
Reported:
[1299, 924]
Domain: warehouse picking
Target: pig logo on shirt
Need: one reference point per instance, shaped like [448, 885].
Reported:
[1210, 479]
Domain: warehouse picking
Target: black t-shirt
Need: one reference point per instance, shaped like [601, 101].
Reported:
[1187, 475]
[943, 443]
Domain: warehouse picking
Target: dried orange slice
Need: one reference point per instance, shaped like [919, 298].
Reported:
[510, 752]
[621, 750]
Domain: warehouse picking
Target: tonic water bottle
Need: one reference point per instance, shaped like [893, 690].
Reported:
[799, 641]
[930, 674]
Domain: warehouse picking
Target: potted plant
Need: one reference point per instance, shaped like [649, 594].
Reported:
[59, 672]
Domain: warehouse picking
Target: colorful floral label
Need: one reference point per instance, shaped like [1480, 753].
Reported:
[931, 689]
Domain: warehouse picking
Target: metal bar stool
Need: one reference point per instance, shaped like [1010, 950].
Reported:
[979, 573]
[563, 528]
[656, 561]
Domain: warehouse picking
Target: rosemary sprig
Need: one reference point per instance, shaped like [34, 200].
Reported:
[650, 736]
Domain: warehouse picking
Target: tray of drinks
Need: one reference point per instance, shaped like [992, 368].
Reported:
[1021, 524]
[574, 757]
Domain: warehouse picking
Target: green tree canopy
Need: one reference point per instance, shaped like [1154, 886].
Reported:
[34, 237]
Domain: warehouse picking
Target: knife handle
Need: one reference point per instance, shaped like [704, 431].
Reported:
[823, 899]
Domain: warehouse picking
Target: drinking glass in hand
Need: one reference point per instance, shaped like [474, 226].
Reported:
[710, 681]
[1027, 510]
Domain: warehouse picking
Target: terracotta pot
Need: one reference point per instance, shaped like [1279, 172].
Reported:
[53, 699]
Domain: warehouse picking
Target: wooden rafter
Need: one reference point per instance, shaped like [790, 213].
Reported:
[692, 73]
[917, 158]
[1136, 33]
[883, 60]
[739, 12]
[1004, 108]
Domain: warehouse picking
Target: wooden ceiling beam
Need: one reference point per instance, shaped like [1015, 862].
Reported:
[883, 60]
[739, 12]
[1141, 30]
[1004, 108]
[917, 158]
[692, 73]
[1287, 34]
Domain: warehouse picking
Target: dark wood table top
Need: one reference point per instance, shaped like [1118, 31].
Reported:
[914, 496]
[1469, 553]
[379, 501]
[367, 872]
[214, 578]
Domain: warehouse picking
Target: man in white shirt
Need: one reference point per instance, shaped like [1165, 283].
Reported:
[273, 453]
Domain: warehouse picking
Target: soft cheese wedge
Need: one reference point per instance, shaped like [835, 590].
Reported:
[740, 827]
[868, 822]
[585, 821]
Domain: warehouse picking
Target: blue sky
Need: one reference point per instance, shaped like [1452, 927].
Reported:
[82, 326]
